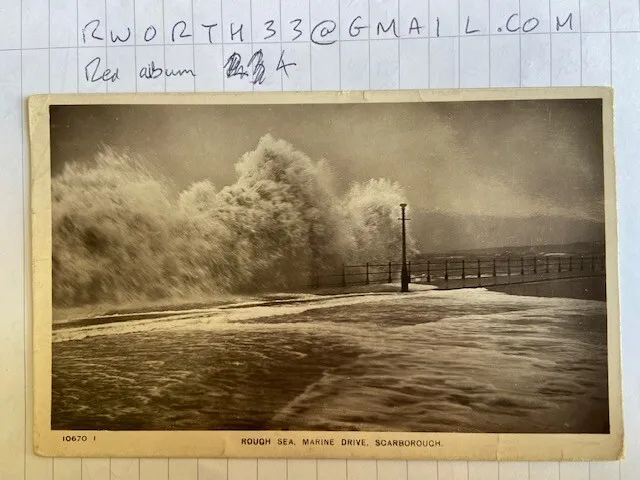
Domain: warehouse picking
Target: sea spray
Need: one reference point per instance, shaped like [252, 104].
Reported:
[372, 213]
[120, 232]
[111, 231]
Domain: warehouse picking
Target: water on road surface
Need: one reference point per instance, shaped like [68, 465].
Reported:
[441, 361]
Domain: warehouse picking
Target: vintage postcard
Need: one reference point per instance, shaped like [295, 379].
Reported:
[415, 275]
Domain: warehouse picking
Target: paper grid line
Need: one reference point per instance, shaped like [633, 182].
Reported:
[599, 53]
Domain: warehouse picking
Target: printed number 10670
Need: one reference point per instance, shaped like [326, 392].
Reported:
[76, 438]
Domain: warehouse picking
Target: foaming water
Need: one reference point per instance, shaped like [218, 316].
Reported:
[122, 235]
[471, 360]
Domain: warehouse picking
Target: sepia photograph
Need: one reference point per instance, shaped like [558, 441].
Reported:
[377, 271]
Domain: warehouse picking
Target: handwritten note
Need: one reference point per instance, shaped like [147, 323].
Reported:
[252, 53]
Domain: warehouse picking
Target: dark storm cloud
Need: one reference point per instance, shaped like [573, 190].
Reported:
[505, 159]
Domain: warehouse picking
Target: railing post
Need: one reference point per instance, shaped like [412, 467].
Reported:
[494, 267]
[547, 269]
[479, 274]
[593, 263]
[428, 271]
[409, 271]
[535, 265]
[463, 269]
[570, 264]
[344, 275]
[367, 274]
[509, 267]
[559, 264]
[581, 263]
[522, 266]
[446, 269]
[389, 278]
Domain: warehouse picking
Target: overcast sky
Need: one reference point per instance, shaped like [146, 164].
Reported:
[508, 159]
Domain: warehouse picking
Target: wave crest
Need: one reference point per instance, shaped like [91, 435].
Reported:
[120, 232]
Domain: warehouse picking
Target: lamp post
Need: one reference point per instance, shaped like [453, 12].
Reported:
[404, 277]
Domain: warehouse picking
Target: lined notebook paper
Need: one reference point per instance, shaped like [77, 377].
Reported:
[193, 45]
